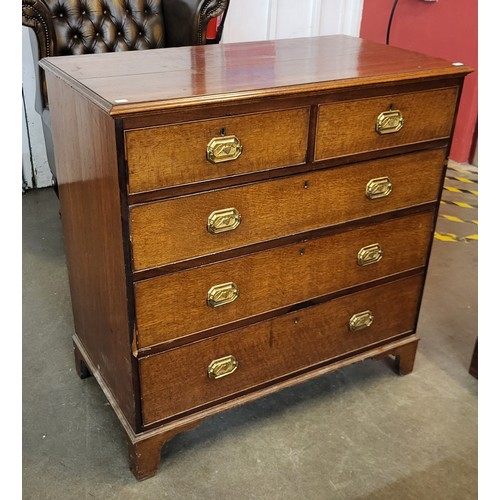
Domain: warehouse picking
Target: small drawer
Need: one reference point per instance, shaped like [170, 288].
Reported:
[179, 154]
[242, 359]
[183, 303]
[191, 226]
[350, 127]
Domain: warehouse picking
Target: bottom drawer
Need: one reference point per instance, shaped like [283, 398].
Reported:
[181, 379]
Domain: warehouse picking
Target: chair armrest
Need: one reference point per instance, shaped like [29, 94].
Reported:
[186, 20]
[36, 16]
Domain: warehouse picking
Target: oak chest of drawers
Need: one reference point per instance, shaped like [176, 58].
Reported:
[240, 218]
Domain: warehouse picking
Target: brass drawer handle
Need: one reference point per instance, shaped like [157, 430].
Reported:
[360, 321]
[370, 254]
[389, 122]
[225, 148]
[223, 220]
[222, 367]
[222, 294]
[378, 188]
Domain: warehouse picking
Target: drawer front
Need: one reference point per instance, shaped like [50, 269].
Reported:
[180, 154]
[244, 358]
[350, 127]
[186, 302]
[186, 227]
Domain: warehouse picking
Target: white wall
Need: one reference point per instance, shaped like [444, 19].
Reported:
[247, 20]
[274, 19]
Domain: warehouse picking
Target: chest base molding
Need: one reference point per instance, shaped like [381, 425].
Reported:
[145, 447]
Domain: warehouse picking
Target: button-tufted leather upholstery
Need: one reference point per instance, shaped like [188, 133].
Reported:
[88, 26]
[70, 27]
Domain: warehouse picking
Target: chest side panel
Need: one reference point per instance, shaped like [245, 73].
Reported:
[87, 172]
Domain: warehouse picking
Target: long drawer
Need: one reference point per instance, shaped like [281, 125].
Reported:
[191, 226]
[183, 153]
[180, 304]
[349, 127]
[242, 359]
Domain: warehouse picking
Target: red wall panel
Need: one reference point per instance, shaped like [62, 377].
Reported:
[448, 29]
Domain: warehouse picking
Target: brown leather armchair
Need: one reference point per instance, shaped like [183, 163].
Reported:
[69, 27]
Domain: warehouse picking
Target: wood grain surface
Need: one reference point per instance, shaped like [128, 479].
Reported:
[175, 305]
[176, 154]
[185, 76]
[176, 229]
[349, 127]
[274, 348]
[87, 174]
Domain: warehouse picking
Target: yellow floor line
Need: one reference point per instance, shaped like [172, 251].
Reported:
[445, 236]
[462, 179]
[463, 170]
[454, 237]
[460, 190]
[460, 204]
[471, 237]
[453, 218]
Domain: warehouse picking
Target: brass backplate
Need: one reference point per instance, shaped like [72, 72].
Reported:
[223, 220]
[378, 188]
[225, 148]
[222, 367]
[360, 321]
[389, 122]
[222, 294]
[370, 254]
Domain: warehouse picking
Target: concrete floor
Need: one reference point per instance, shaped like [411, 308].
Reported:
[359, 433]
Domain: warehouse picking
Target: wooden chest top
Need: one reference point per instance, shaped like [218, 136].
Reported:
[138, 81]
